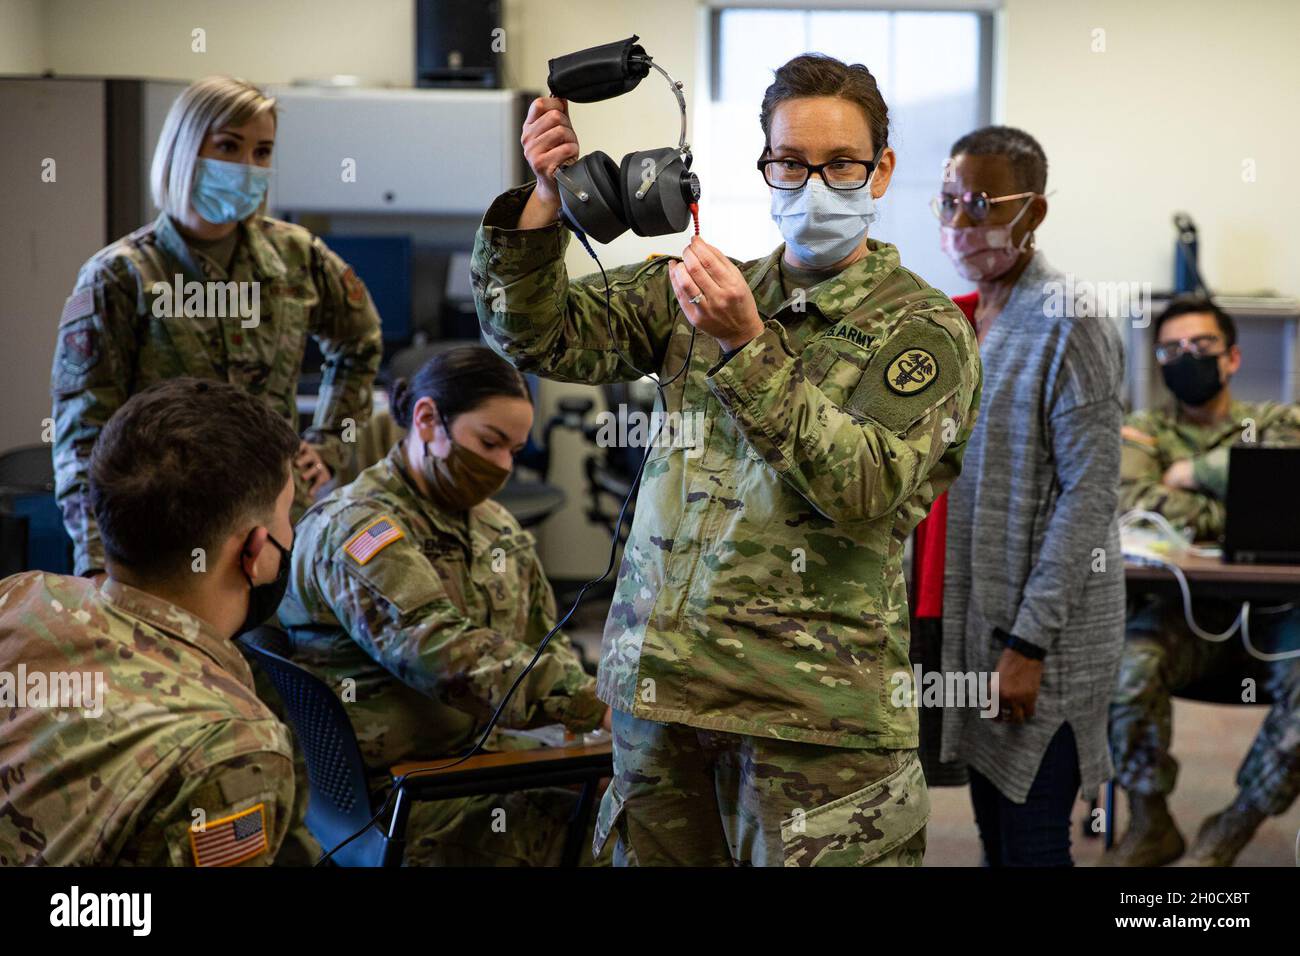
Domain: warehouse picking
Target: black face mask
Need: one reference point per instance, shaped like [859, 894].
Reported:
[264, 599]
[1194, 380]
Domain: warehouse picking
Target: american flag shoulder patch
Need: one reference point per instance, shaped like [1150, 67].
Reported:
[230, 840]
[78, 304]
[372, 539]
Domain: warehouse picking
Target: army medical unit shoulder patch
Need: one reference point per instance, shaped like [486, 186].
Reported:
[231, 839]
[372, 539]
[913, 371]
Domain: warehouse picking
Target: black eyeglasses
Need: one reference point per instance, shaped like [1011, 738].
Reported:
[1200, 346]
[844, 174]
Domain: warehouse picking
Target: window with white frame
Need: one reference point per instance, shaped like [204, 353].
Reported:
[934, 72]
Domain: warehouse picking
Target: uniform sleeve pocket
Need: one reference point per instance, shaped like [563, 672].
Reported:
[503, 572]
[394, 572]
[862, 828]
[835, 371]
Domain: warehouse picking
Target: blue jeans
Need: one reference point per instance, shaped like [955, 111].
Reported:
[1036, 832]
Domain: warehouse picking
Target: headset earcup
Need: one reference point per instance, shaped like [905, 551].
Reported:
[601, 214]
[629, 180]
[662, 210]
[604, 177]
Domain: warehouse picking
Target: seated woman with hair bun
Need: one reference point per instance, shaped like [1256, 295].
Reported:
[432, 599]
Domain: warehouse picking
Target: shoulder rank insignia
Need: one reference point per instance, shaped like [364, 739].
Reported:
[372, 539]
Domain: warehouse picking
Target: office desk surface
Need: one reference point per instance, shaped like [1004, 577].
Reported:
[557, 757]
[1217, 571]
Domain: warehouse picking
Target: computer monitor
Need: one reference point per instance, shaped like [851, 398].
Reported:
[384, 265]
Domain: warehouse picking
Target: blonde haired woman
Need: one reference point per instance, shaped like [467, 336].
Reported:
[214, 289]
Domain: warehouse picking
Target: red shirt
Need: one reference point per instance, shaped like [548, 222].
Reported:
[928, 545]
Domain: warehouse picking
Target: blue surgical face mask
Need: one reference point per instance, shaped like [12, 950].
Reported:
[227, 192]
[823, 225]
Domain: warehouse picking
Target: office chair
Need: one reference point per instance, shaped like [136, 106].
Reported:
[340, 802]
[30, 467]
[611, 471]
[32, 535]
[13, 544]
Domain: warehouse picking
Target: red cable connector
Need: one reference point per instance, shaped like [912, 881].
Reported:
[695, 214]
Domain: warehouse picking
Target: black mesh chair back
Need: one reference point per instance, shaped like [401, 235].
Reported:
[340, 802]
[28, 469]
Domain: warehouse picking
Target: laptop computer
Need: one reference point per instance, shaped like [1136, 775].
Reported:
[1263, 521]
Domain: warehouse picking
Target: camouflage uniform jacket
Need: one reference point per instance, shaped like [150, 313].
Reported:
[181, 730]
[1142, 465]
[761, 590]
[111, 344]
[432, 615]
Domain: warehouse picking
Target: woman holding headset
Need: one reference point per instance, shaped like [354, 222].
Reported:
[214, 289]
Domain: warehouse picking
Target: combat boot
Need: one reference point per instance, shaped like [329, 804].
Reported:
[1152, 838]
[1225, 834]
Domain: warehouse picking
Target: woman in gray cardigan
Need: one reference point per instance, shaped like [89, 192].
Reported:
[1034, 578]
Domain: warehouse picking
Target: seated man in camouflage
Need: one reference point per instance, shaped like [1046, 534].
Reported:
[132, 734]
[1175, 462]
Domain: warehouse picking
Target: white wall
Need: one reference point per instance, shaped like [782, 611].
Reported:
[264, 41]
[1185, 93]
[50, 222]
[23, 46]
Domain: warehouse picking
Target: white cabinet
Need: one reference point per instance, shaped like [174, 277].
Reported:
[438, 152]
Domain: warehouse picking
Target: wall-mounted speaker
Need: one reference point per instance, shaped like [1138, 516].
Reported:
[458, 43]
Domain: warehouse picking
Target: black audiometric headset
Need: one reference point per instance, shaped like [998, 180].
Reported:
[652, 190]
[653, 193]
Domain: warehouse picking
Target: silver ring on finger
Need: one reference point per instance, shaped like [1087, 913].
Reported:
[697, 299]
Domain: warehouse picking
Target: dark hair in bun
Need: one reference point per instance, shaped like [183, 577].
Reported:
[458, 380]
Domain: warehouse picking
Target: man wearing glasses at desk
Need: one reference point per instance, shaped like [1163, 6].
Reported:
[1175, 462]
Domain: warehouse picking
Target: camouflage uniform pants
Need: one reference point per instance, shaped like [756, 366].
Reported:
[681, 796]
[1162, 658]
[520, 828]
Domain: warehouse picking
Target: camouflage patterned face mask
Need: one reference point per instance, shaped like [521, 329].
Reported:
[463, 479]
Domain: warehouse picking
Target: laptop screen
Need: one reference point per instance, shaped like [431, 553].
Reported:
[1263, 515]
